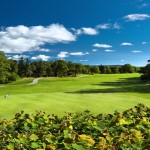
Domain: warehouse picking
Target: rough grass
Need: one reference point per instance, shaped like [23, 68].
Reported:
[97, 93]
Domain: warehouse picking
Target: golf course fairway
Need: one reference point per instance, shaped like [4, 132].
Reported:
[103, 93]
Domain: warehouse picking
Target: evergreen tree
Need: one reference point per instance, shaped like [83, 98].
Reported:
[108, 70]
[13, 69]
[28, 70]
[71, 68]
[21, 67]
[49, 71]
[102, 69]
[78, 69]
[4, 68]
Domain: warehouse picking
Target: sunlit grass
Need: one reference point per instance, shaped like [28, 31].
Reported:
[97, 93]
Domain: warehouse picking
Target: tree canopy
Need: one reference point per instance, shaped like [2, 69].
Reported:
[11, 70]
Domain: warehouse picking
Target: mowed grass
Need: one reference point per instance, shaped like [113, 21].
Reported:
[97, 93]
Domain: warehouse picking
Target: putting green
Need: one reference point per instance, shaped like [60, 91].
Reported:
[97, 93]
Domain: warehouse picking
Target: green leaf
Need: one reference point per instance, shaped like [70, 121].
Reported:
[23, 140]
[44, 145]
[34, 145]
[78, 147]
[34, 125]
[17, 141]
[66, 135]
[10, 146]
[33, 137]
[26, 127]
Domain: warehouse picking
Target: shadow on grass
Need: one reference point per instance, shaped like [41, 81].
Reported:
[122, 85]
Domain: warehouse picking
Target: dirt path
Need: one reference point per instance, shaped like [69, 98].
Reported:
[35, 81]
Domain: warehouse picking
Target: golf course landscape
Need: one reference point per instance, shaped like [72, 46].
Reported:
[101, 93]
[75, 75]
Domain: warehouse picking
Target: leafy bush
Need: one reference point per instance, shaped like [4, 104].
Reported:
[145, 72]
[13, 77]
[78, 131]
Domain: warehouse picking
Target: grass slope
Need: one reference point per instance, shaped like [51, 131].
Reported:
[97, 93]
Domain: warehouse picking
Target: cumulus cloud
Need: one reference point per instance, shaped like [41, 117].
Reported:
[63, 55]
[44, 50]
[126, 44]
[17, 57]
[109, 50]
[109, 26]
[77, 53]
[21, 38]
[94, 50]
[136, 51]
[88, 31]
[102, 45]
[42, 57]
[104, 26]
[136, 17]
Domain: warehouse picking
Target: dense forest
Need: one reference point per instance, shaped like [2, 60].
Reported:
[11, 70]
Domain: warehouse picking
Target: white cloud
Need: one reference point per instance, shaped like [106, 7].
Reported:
[102, 45]
[136, 51]
[21, 38]
[122, 60]
[109, 50]
[83, 60]
[88, 31]
[109, 26]
[143, 43]
[63, 55]
[17, 57]
[136, 17]
[34, 58]
[116, 26]
[44, 50]
[42, 57]
[87, 53]
[103, 26]
[77, 53]
[94, 50]
[9, 57]
[126, 44]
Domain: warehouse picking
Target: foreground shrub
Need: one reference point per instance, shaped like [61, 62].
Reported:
[78, 131]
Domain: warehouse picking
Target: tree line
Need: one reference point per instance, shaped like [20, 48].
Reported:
[145, 71]
[11, 70]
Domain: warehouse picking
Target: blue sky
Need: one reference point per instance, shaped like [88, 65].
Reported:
[84, 31]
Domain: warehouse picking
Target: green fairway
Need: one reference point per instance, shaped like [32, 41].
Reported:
[97, 93]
